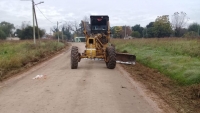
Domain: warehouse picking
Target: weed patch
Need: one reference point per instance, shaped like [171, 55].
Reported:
[178, 59]
[16, 54]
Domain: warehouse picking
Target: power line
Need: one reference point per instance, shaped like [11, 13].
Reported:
[44, 15]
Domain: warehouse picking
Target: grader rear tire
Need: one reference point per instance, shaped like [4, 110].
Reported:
[74, 57]
[111, 56]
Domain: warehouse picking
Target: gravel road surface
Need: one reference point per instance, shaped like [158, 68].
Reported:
[92, 88]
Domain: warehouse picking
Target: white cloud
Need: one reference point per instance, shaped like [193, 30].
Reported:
[70, 14]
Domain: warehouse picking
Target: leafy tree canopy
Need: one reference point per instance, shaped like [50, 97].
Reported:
[138, 28]
[194, 27]
[27, 33]
[7, 28]
[162, 26]
[135, 34]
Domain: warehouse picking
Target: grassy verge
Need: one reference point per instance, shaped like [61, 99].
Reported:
[17, 54]
[177, 58]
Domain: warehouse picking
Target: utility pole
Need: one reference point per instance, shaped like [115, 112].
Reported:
[58, 31]
[34, 17]
[36, 20]
[33, 22]
[62, 35]
[125, 32]
[36, 24]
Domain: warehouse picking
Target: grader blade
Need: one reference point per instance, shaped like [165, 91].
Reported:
[125, 58]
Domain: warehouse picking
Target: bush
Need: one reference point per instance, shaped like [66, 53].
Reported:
[190, 34]
[135, 34]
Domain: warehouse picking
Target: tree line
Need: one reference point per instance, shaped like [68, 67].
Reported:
[161, 27]
[70, 29]
[25, 31]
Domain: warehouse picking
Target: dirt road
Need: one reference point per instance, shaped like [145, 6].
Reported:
[92, 88]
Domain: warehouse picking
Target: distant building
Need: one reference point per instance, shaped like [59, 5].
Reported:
[79, 39]
[47, 36]
[128, 37]
[12, 38]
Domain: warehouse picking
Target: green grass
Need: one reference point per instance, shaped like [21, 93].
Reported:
[16, 54]
[177, 58]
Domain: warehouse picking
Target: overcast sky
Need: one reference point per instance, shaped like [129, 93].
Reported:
[121, 12]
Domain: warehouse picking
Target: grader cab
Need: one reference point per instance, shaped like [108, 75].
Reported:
[98, 44]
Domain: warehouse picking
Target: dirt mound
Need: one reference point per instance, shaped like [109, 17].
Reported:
[185, 99]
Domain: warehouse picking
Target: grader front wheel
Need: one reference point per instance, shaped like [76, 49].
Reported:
[111, 56]
[74, 57]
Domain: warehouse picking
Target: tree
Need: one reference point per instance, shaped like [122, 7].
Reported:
[66, 29]
[72, 26]
[60, 35]
[27, 33]
[66, 32]
[75, 27]
[18, 32]
[128, 31]
[135, 34]
[194, 27]
[2, 34]
[150, 25]
[150, 32]
[118, 30]
[179, 20]
[7, 28]
[112, 30]
[162, 26]
[69, 29]
[25, 24]
[138, 28]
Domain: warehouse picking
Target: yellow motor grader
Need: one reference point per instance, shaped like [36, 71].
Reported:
[98, 44]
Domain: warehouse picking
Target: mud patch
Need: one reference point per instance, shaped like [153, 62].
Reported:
[184, 99]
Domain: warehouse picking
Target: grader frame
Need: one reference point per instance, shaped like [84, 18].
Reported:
[98, 44]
